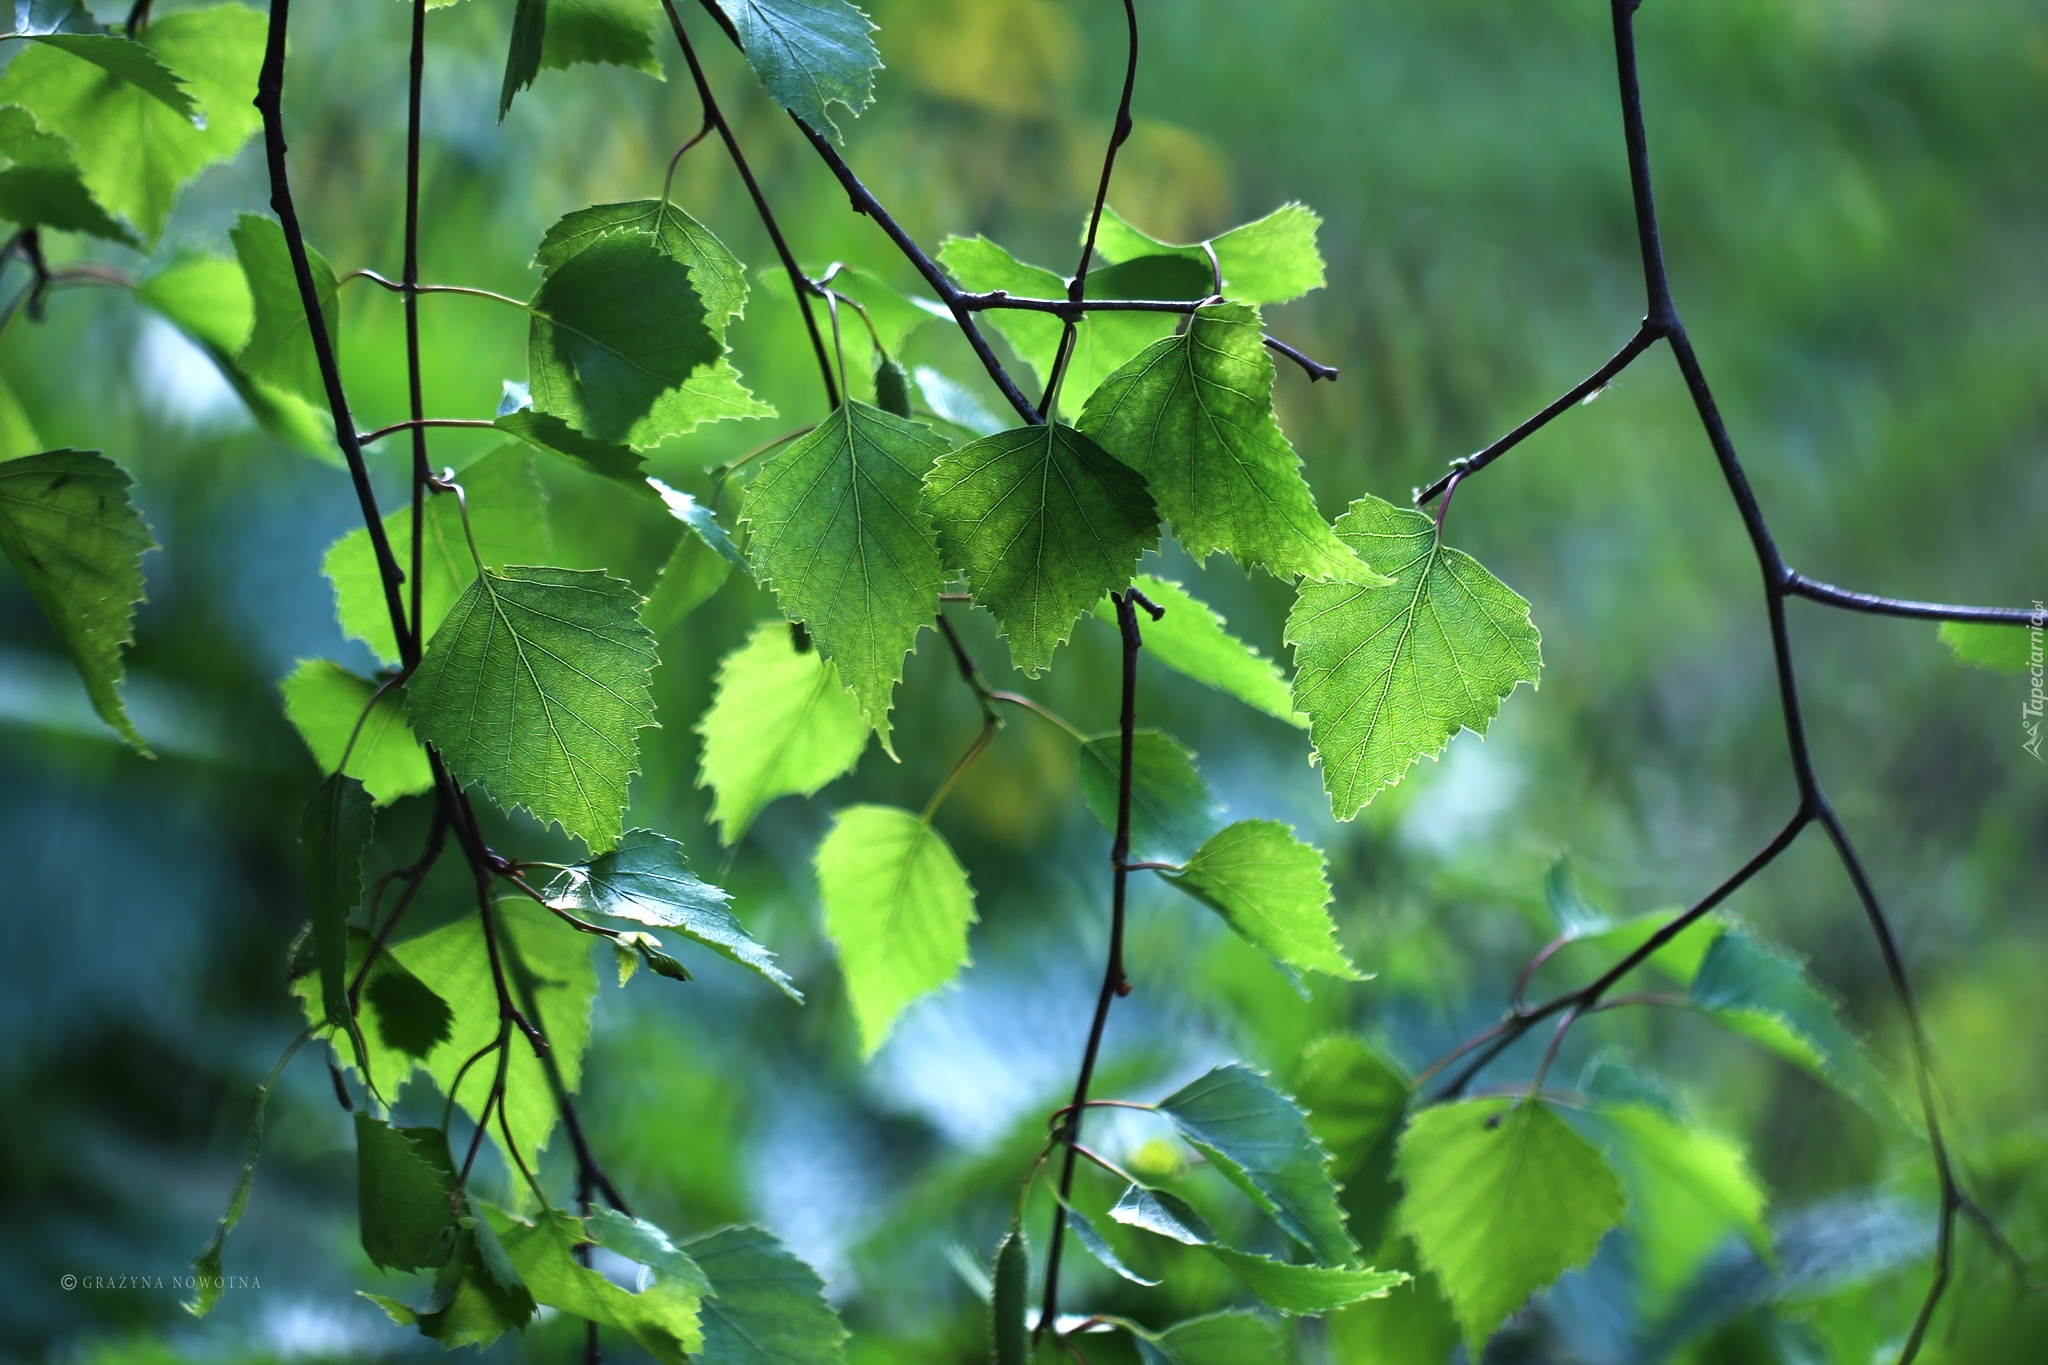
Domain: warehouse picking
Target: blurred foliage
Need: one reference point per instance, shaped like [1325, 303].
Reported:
[1854, 210]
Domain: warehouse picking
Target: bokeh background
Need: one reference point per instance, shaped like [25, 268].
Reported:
[1857, 220]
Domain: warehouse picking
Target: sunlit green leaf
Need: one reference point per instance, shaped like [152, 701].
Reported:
[1271, 888]
[1042, 521]
[837, 531]
[508, 513]
[1191, 638]
[326, 702]
[537, 686]
[897, 905]
[601, 33]
[71, 532]
[779, 724]
[1688, 1188]
[279, 351]
[1268, 261]
[1502, 1197]
[1387, 675]
[1356, 1101]
[138, 153]
[41, 184]
[1194, 414]
[662, 1317]
[1997, 649]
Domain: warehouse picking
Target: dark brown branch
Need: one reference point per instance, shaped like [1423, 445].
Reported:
[415, 387]
[1799, 585]
[1310, 366]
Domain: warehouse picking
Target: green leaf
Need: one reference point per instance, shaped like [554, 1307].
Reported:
[1172, 810]
[508, 513]
[332, 835]
[523, 56]
[1272, 260]
[694, 572]
[615, 328]
[811, 54]
[71, 532]
[121, 57]
[404, 1180]
[1102, 341]
[766, 1306]
[279, 351]
[1765, 993]
[1996, 649]
[1356, 1100]
[1287, 1288]
[662, 1318]
[1010, 1343]
[537, 686]
[713, 393]
[206, 1266]
[1271, 888]
[1191, 639]
[326, 701]
[17, 433]
[208, 299]
[136, 151]
[954, 404]
[897, 905]
[650, 951]
[601, 33]
[1502, 1197]
[41, 183]
[1259, 1139]
[836, 530]
[409, 1017]
[1194, 414]
[1090, 1237]
[1688, 1188]
[1388, 675]
[477, 1297]
[1235, 1338]
[1042, 521]
[606, 459]
[779, 724]
[647, 879]
[548, 966]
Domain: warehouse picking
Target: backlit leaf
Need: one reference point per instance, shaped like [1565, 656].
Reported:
[537, 686]
[779, 724]
[1502, 1197]
[1194, 414]
[662, 1316]
[403, 1182]
[71, 532]
[647, 879]
[1237, 1338]
[1997, 649]
[1268, 261]
[1356, 1101]
[1387, 675]
[837, 531]
[601, 33]
[279, 351]
[897, 905]
[1271, 888]
[41, 184]
[325, 701]
[1191, 638]
[1042, 521]
[1688, 1188]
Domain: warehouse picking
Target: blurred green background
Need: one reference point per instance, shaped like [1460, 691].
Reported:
[1857, 220]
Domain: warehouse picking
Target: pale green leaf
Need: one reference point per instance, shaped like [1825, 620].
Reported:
[41, 184]
[694, 572]
[508, 512]
[1102, 341]
[647, 879]
[17, 433]
[663, 1317]
[897, 905]
[1272, 260]
[1273, 889]
[615, 328]
[1191, 638]
[1091, 1238]
[137, 152]
[1042, 521]
[951, 402]
[127, 59]
[279, 351]
[537, 686]
[1387, 675]
[837, 531]
[1996, 649]
[1236, 1338]
[779, 724]
[71, 532]
[1688, 1188]
[208, 299]
[1356, 1100]
[1259, 1139]
[1194, 414]
[404, 1179]
[811, 54]
[477, 1295]
[601, 33]
[328, 703]
[1172, 809]
[1502, 1197]
[766, 1306]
